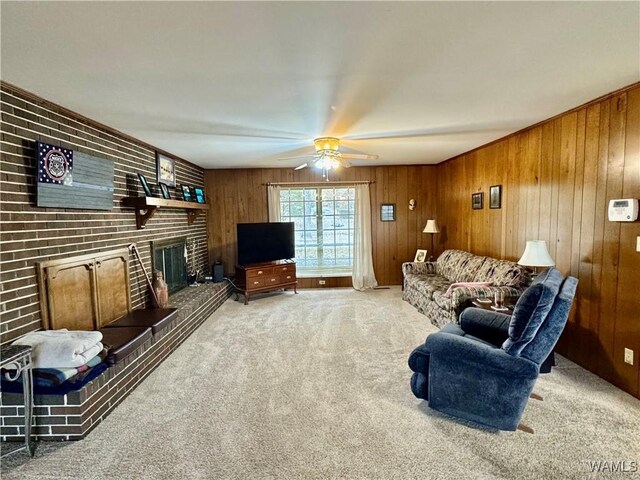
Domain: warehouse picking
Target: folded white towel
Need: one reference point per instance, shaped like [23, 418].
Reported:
[62, 348]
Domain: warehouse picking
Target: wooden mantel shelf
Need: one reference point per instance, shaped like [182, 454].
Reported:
[146, 207]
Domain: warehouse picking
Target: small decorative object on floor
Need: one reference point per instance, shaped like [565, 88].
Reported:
[161, 290]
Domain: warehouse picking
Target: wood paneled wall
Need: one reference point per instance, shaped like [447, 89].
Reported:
[238, 196]
[557, 180]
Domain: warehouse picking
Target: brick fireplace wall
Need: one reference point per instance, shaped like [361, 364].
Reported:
[30, 234]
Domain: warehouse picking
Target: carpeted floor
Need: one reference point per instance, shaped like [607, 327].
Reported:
[316, 385]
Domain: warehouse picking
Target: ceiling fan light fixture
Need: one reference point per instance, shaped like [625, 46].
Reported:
[326, 143]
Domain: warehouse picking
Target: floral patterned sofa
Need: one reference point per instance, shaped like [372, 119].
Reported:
[426, 284]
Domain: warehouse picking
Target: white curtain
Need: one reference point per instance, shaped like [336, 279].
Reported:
[273, 200]
[363, 274]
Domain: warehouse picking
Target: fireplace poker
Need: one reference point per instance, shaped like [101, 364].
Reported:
[132, 248]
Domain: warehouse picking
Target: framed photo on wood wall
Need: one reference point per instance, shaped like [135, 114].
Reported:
[388, 212]
[477, 200]
[495, 196]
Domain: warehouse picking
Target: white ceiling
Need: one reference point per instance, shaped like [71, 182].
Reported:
[242, 84]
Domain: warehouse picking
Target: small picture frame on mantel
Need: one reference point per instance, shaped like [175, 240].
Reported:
[165, 191]
[477, 200]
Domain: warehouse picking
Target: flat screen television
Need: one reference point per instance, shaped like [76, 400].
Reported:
[265, 242]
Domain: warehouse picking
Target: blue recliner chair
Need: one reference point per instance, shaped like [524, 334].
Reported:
[469, 371]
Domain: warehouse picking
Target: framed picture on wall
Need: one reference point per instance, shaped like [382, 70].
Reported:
[495, 196]
[166, 170]
[388, 212]
[477, 200]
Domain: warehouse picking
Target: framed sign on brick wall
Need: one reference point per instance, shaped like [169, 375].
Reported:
[166, 170]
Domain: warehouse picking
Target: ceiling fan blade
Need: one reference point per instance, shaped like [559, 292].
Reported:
[359, 156]
[300, 167]
[299, 157]
[345, 163]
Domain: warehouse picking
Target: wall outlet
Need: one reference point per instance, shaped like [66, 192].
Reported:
[322, 282]
[638, 243]
[628, 356]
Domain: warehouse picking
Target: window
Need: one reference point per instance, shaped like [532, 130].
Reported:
[324, 220]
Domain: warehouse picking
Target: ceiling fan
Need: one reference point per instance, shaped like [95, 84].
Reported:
[328, 156]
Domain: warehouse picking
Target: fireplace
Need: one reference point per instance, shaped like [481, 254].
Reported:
[169, 257]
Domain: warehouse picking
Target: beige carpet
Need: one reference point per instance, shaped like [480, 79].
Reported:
[316, 385]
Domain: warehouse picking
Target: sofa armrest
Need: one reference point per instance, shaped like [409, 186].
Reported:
[492, 327]
[418, 268]
[464, 351]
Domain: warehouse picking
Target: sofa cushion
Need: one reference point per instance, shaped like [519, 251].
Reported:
[501, 273]
[426, 284]
[532, 308]
[458, 266]
[442, 300]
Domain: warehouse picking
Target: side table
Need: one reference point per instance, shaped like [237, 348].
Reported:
[17, 358]
[509, 303]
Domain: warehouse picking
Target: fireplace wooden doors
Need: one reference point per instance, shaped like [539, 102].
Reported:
[84, 292]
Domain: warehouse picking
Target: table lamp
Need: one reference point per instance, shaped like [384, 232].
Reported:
[536, 255]
[431, 227]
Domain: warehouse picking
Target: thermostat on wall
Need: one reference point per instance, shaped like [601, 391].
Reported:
[623, 210]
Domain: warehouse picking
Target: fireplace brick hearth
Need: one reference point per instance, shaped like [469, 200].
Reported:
[74, 415]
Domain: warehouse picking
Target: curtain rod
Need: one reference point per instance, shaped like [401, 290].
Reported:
[345, 182]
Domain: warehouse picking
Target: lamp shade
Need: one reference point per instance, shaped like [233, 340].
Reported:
[431, 227]
[536, 255]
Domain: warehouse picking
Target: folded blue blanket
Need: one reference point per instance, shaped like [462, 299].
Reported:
[46, 386]
[50, 377]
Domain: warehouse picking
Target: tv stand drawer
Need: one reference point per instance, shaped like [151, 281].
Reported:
[259, 272]
[285, 269]
[288, 277]
[254, 282]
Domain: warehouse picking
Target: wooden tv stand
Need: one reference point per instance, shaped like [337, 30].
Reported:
[265, 277]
